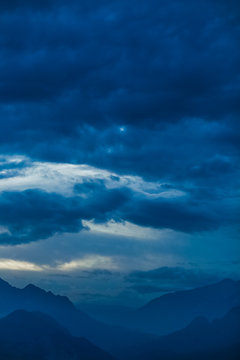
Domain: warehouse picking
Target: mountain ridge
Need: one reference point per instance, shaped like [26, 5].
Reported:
[31, 298]
[201, 338]
[173, 311]
[33, 335]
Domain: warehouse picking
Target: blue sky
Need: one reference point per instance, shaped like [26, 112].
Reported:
[119, 146]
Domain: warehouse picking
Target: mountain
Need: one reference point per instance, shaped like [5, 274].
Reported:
[162, 316]
[175, 311]
[26, 335]
[113, 339]
[201, 339]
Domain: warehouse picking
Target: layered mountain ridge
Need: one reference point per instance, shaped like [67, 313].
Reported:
[175, 323]
[30, 335]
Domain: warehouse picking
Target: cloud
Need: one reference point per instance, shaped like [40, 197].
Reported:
[75, 74]
[167, 279]
[18, 265]
[185, 216]
[42, 199]
[124, 229]
[33, 215]
[94, 263]
[83, 71]
[15, 5]
[120, 86]
[88, 262]
[18, 173]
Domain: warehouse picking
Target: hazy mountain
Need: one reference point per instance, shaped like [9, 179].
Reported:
[201, 339]
[108, 313]
[26, 335]
[164, 315]
[175, 311]
[111, 338]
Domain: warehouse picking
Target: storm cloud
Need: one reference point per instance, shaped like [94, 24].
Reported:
[73, 73]
[35, 214]
[120, 127]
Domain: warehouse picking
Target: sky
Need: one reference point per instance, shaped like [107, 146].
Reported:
[119, 146]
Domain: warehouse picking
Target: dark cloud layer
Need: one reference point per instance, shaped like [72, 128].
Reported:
[149, 88]
[70, 65]
[167, 73]
[33, 215]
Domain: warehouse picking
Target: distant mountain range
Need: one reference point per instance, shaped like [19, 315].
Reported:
[164, 315]
[36, 336]
[113, 339]
[200, 340]
[175, 311]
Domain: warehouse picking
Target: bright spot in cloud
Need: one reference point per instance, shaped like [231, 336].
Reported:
[18, 265]
[88, 262]
[125, 229]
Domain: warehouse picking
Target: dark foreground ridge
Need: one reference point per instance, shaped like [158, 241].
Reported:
[28, 336]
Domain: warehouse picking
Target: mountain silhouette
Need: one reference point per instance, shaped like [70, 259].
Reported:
[113, 339]
[175, 311]
[26, 335]
[191, 312]
[201, 339]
